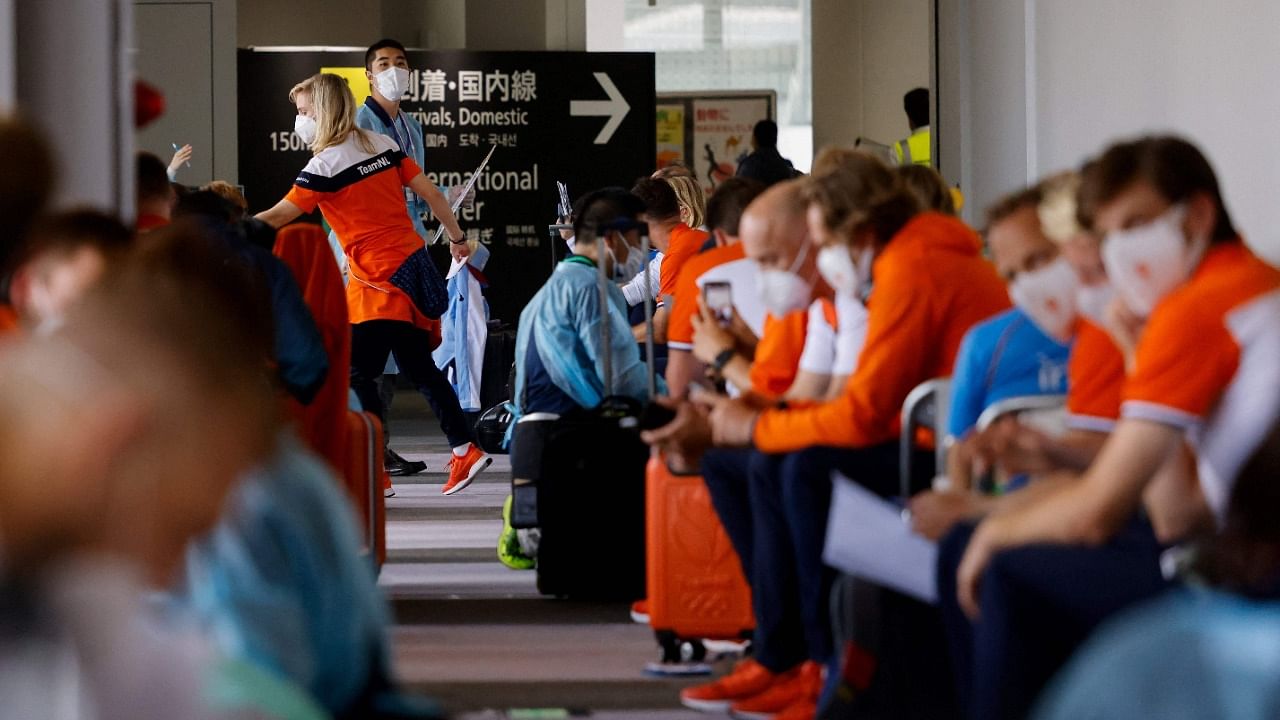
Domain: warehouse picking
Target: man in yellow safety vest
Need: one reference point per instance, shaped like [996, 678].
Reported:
[915, 149]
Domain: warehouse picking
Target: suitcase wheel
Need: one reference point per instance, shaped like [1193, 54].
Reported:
[677, 650]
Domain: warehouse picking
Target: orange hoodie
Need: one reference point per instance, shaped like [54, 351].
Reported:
[931, 286]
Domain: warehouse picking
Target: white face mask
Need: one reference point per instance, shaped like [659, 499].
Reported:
[1148, 262]
[305, 128]
[783, 291]
[633, 265]
[1092, 301]
[1048, 296]
[838, 270]
[392, 83]
[846, 277]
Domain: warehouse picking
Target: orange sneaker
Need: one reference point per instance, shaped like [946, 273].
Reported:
[748, 678]
[640, 612]
[462, 470]
[803, 683]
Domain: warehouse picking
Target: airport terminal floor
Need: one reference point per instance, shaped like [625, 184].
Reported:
[476, 635]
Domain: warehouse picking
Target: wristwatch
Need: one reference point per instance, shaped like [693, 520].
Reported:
[723, 359]
[463, 241]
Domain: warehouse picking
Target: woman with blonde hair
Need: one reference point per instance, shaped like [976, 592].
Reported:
[357, 179]
[693, 201]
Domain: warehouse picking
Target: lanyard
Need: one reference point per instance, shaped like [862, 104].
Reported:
[406, 142]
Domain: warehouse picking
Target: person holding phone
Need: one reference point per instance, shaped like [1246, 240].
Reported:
[724, 272]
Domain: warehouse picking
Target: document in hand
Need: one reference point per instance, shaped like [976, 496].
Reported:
[867, 537]
[466, 190]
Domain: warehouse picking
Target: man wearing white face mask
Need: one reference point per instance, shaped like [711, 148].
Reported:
[386, 66]
[1205, 374]
[1038, 247]
[930, 285]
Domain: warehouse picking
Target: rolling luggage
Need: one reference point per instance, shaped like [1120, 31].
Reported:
[590, 505]
[366, 479]
[499, 357]
[696, 589]
[581, 475]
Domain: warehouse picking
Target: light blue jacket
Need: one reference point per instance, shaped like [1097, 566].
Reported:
[565, 316]
[280, 584]
[464, 332]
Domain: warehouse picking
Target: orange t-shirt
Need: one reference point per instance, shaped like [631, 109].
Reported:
[930, 286]
[684, 244]
[778, 353]
[1208, 362]
[680, 323]
[1095, 380]
[361, 194]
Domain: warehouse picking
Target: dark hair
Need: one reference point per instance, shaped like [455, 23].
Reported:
[856, 190]
[929, 188]
[382, 44]
[916, 103]
[64, 233]
[1174, 167]
[1245, 557]
[153, 178]
[1014, 202]
[726, 204]
[206, 204]
[602, 207]
[200, 300]
[765, 133]
[660, 201]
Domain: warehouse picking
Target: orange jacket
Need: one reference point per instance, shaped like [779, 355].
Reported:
[931, 286]
[305, 249]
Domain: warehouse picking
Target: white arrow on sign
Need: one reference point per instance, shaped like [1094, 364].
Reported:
[615, 108]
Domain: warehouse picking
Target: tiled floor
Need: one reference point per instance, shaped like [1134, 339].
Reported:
[478, 636]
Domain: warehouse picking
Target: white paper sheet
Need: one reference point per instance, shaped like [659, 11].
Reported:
[867, 537]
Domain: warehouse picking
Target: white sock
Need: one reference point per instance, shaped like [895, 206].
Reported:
[461, 450]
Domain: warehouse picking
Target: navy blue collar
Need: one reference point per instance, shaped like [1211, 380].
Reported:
[373, 105]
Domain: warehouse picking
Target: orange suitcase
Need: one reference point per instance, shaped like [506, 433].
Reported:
[366, 477]
[695, 584]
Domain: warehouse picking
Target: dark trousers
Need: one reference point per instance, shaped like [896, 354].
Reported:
[1038, 605]
[774, 508]
[372, 341]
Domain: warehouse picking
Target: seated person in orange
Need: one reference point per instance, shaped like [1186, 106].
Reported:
[929, 285]
[357, 179]
[725, 263]
[673, 238]
[1036, 228]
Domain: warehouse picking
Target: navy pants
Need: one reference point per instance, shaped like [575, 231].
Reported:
[774, 508]
[372, 341]
[1038, 605]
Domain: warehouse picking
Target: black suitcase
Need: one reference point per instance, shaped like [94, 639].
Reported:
[499, 356]
[590, 505]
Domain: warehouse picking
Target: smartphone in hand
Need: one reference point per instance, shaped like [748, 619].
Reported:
[718, 297]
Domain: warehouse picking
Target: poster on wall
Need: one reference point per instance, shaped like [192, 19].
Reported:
[670, 133]
[580, 118]
[716, 130]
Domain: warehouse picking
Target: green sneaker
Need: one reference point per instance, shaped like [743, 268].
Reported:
[509, 544]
